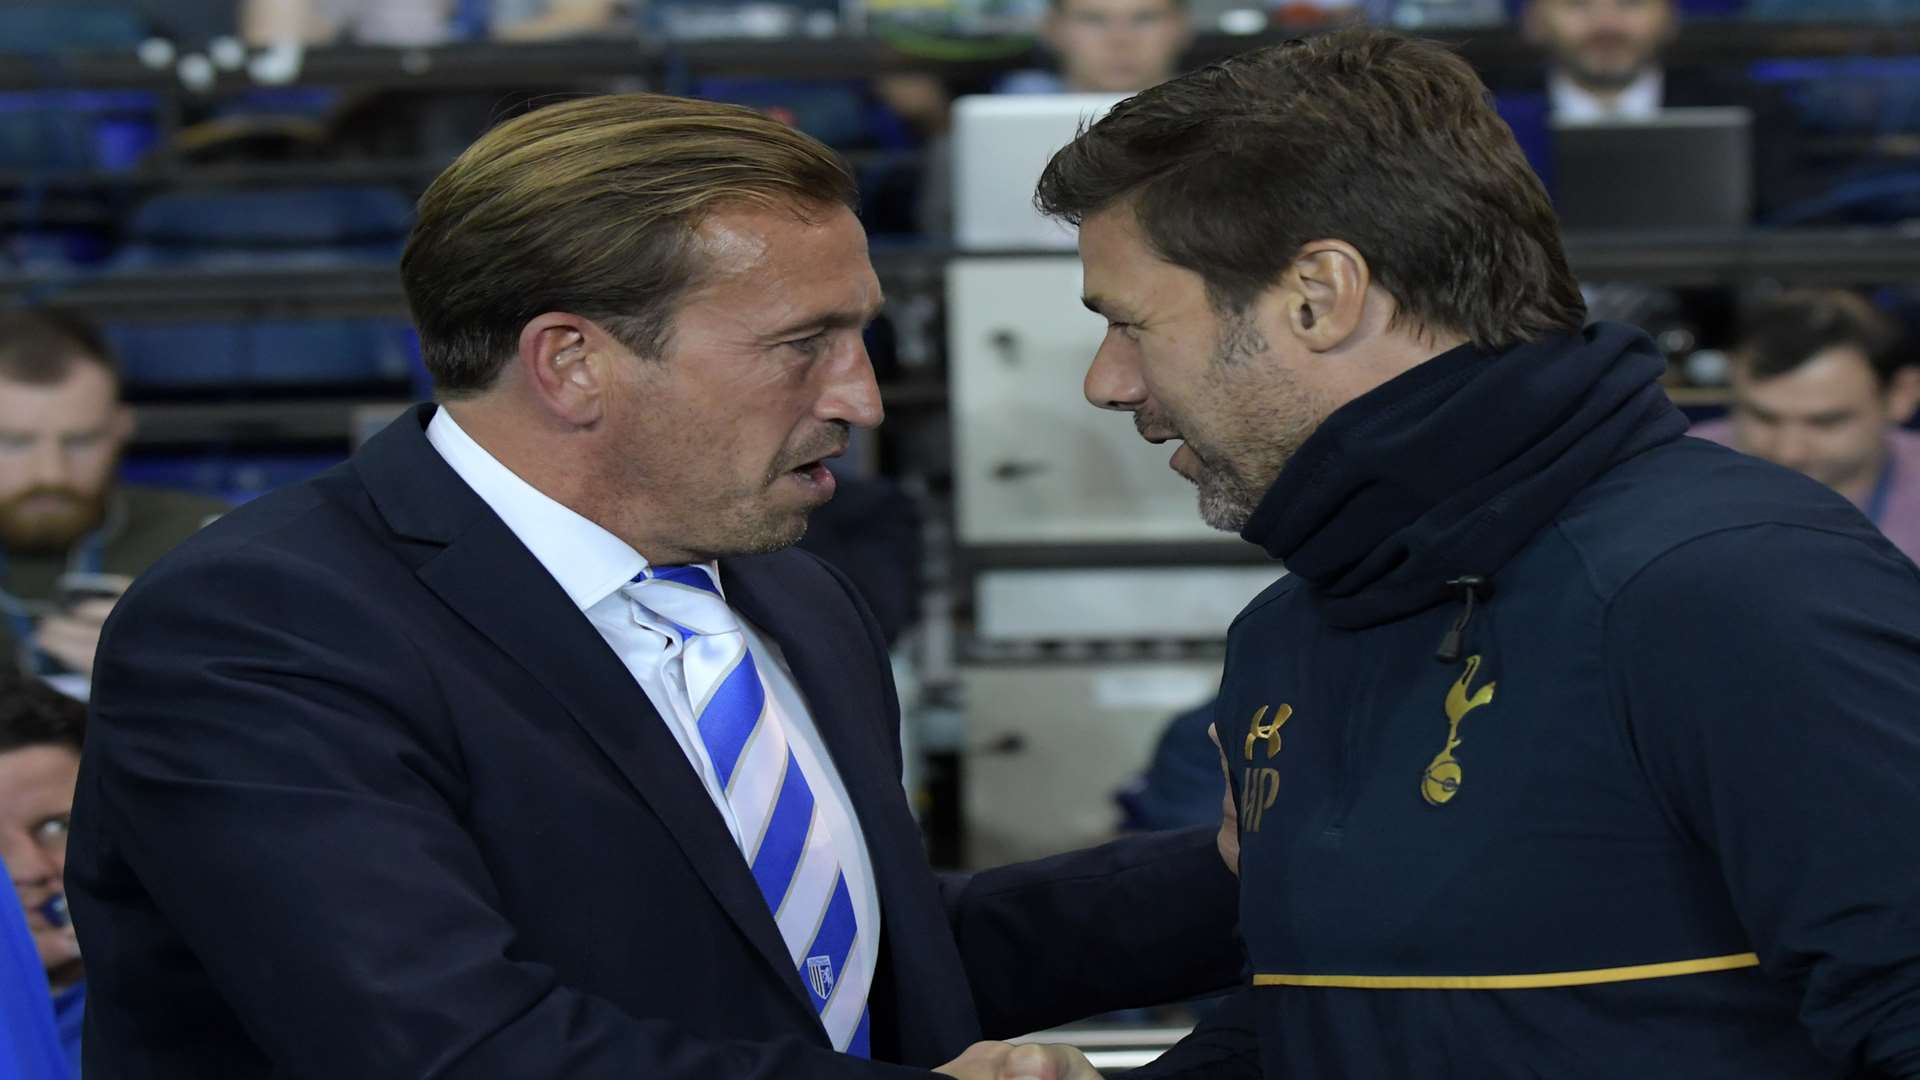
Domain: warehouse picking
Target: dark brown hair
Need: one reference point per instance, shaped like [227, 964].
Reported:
[40, 346]
[1388, 143]
[35, 714]
[1787, 331]
[590, 207]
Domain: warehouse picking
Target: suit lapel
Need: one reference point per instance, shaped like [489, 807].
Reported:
[492, 582]
[795, 603]
[803, 608]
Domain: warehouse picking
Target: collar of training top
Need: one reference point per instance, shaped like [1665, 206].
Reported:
[1450, 469]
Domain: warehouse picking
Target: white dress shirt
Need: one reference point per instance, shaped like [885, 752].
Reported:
[1641, 100]
[591, 564]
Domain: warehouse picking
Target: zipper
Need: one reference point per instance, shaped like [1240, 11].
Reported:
[1363, 722]
[1453, 643]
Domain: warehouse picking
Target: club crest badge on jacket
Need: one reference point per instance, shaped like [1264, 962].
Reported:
[1441, 781]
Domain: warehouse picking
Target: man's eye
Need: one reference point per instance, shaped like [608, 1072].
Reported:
[810, 344]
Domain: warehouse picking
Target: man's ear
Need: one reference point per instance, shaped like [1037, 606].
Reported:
[1326, 294]
[1903, 394]
[567, 363]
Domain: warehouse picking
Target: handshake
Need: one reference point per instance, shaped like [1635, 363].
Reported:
[1005, 1061]
[1053, 1061]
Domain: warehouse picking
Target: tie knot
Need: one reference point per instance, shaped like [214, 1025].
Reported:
[693, 577]
[687, 596]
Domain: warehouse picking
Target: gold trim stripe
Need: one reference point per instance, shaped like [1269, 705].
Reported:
[1515, 982]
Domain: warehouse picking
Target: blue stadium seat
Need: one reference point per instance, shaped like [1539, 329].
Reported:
[1688, 8]
[1851, 104]
[1834, 10]
[72, 129]
[286, 227]
[51, 27]
[263, 354]
[836, 112]
[54, 249]
[231, 475]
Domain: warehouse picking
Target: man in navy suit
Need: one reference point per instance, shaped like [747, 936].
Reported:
[522, 746]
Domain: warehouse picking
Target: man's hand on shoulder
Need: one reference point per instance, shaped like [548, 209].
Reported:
[1004, 1061]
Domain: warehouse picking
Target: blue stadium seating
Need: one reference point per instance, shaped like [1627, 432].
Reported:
[239, 229]
[263, 354]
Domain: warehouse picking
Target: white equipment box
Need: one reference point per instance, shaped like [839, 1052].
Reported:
[1001, 145]
[1084, 730]
[1034, 463]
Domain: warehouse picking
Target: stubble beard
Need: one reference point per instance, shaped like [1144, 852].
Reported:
[1269, 423]
[51, 533]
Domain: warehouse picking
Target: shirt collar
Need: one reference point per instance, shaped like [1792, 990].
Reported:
[587, 561]
[1641, 100]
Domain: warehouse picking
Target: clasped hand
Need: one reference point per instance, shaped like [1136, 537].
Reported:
[1031, 1061]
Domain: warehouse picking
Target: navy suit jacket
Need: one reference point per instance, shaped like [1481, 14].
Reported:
[365, 796]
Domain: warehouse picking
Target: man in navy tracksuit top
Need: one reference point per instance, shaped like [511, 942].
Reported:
[1571, 747]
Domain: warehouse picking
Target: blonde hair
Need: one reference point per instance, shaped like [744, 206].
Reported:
[590, 207]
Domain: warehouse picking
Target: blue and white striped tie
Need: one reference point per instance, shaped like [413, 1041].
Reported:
[784, 835]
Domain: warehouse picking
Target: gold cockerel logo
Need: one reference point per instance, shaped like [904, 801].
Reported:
[1441, 781]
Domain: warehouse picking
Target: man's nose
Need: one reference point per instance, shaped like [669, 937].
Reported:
[47, 465]
[852, 394]
[1114, 380]
[1792, 448]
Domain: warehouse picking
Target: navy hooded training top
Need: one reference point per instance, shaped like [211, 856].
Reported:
[1571, 747]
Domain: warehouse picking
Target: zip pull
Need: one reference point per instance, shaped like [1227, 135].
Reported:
[1472, 587]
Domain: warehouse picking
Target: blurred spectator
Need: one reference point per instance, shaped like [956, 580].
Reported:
[1100, 46]
[1108, 47]
[70, 539]
[426, 22]
[1820, 385]
[40, 738]
[546, 20]
[923, 103]
[323, 22]
[1604, 63]
[1604, 55]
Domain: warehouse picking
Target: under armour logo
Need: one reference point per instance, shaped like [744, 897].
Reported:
[1268, 733]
